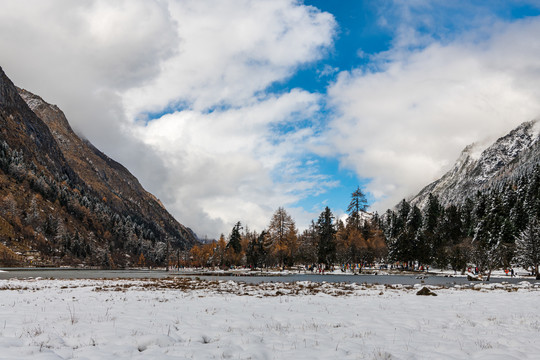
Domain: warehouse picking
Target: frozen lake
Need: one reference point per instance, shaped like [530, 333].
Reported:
[440, 280]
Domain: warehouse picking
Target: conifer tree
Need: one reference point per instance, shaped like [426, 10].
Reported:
[255, 252]
[414, 237]
[326, 237]
[308, 245]
[528, 247]
[283, 235]
[430, 245]
[219, 254]
[397, 236]
[357, 205]
[235, 238]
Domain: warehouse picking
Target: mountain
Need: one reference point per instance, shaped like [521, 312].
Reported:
[511, 155]
[65, 202]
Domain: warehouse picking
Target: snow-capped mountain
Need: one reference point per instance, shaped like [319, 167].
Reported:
[64, 202]
[476, 170]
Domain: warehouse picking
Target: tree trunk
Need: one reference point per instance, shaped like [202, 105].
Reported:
[167, 255]
[537, 274]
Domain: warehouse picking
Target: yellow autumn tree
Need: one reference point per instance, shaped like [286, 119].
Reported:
[284, 237]
[195, 256]
[142, 261]
[219, 254]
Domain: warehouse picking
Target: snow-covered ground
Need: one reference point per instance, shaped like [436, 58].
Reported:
[191, 319]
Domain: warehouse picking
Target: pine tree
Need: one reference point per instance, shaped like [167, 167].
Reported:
[235, 238]
[417, 249]
[528, 247]
[256, 252]
[430, 245]
[353, 240]
[308, 245]
[396, 233]
[326, 236]
[357, 205]
[432, 214]
[451, 227]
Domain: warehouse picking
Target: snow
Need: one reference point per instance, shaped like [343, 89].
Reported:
[193, 319]
[535, 129]
[480, 163]
[475, 150]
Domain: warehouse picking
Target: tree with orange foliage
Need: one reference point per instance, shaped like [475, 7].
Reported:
[219, 254]
[357, 228]
[283, 236]
[142, 261]
[207, 253]
[195, 255]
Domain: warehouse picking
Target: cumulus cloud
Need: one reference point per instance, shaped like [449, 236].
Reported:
[231, 50]
[178, 92]
[228, 165]
[82, 56]
[220, 149]
[404, 124]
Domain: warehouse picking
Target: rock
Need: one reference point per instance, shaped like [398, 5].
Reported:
[426, 292]
[471, 277]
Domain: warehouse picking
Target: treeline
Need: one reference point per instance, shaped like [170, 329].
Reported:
[495, 228]
[55, 219]
[498, 227]
[327, 241]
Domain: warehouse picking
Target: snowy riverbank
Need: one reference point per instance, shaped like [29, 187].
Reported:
[191, 319]
[498, 273]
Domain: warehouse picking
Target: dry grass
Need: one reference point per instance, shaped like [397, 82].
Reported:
[263, 289]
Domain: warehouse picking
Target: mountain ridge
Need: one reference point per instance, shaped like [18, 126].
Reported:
[472, 172]
[66, 202]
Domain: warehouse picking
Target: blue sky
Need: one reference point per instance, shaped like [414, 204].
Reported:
[357, 30]
[229, 109]
[360, 34]
[357, 36]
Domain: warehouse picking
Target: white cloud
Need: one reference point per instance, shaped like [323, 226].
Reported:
[404, 125]
[229, 166]
[230, 50]
[110, 64]
[219, 153]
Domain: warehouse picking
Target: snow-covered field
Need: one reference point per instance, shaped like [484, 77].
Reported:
[192, 319]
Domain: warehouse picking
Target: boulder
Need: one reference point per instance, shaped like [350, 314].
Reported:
[426, 292]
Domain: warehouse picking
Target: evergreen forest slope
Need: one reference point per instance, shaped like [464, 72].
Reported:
[484, 211]
[64, 202]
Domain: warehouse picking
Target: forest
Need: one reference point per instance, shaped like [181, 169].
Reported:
[79, 228]
[498, 227]
[327, 241]
[495, 228]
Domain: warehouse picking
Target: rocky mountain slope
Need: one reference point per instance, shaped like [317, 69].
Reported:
[511, 155]
[65, 202]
